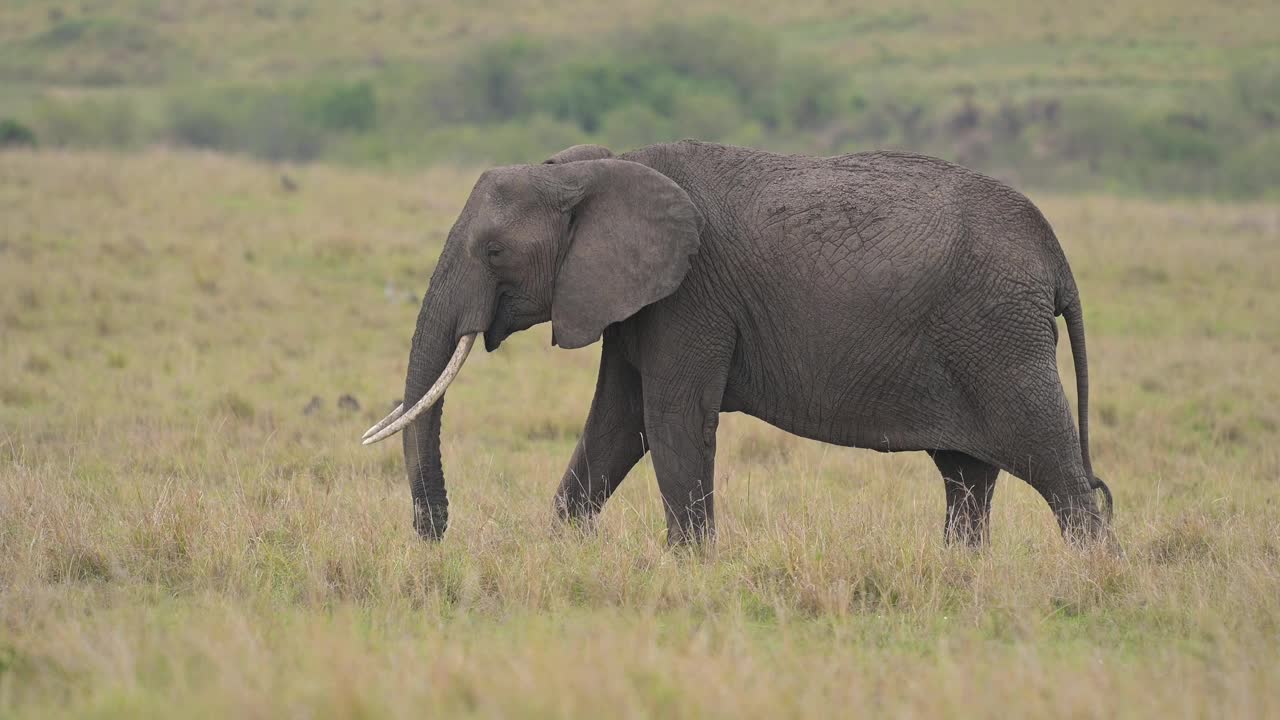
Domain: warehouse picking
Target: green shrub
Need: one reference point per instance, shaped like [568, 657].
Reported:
[706, 116]
[668, 69]
[1169, 139]
[529, 140]
[201, 123]
[809, 95]
[1253, 168]
[91, 122]
[276, 128]
[14, 133]
[1257, 90]
[273, 125]
[489, 84]
[587, 90]
[635, 125]
[729, 55]
[343, 107]
[1097, 130]
[1141, 147]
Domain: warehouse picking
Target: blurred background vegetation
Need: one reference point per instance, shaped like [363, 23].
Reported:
[1108, 97]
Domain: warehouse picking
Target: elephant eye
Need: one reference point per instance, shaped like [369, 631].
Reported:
[493, 251]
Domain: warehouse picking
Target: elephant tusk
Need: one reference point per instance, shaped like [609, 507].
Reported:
[432, 396]
[384, 421]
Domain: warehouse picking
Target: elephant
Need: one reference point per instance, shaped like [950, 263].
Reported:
[880, 300]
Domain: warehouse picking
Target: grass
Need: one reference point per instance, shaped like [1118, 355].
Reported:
[1179, 99]
[1179, 42]
[176, 534]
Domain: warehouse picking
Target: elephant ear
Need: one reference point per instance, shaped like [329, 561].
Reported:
[578, 153]
[631, 234]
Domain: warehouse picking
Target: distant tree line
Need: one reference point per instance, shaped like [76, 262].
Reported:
[520, 99]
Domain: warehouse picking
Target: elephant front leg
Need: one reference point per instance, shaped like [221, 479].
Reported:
[611, 443]
[682, 422]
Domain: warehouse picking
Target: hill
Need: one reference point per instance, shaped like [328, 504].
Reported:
[1099, 96]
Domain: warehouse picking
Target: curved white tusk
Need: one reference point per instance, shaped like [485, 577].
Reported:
[433, 395]
[384, 421]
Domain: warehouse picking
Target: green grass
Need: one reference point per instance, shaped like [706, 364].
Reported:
[1176, 99]
[176, 535]
[1177, 42]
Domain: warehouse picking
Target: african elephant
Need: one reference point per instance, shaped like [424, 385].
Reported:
[879, 300]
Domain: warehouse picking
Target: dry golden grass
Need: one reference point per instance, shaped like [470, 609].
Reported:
[177, 536]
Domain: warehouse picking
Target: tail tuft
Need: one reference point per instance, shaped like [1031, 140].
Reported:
[1097, 484]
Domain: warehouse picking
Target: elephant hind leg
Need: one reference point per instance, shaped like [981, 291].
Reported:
[1021, 422]
[970, 484]
[1034, 438]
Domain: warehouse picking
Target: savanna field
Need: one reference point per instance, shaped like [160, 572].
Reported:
[183, 527]
[217, 221]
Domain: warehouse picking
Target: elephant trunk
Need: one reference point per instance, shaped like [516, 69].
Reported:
[434, 348]
[448, 324]
[426, 475]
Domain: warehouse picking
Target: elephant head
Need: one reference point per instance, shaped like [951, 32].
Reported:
[582, 240]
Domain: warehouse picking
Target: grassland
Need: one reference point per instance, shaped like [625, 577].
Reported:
[1180, 41]
[177, 535]
[1182, 97]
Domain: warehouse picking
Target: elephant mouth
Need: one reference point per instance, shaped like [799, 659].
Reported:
[507, 319]
[503, 324]
[498, 331]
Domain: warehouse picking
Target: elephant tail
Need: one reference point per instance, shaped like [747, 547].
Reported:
[1074, 315]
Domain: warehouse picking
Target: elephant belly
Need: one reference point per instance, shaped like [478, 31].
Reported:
[894, 399]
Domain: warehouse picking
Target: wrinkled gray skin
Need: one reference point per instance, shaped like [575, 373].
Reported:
[879, 300]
